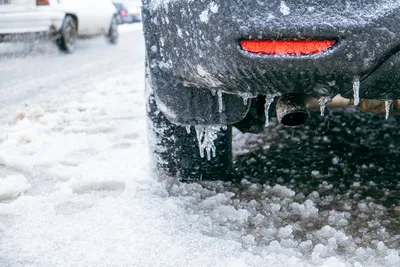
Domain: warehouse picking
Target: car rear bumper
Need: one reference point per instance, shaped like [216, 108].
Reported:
[31, 22]
[197, 45]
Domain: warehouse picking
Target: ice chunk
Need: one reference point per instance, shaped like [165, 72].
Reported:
[206, 135]
[356, 90]
[285, 232]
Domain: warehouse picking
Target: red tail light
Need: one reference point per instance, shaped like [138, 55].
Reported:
[123, 12]
[42, 2]
[288, 47]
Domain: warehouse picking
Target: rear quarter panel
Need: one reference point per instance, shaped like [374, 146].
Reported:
[94, 16]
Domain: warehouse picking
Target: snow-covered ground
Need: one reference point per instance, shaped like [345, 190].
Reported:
[76, 190]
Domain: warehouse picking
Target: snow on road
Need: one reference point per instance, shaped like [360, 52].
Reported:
[78, 191]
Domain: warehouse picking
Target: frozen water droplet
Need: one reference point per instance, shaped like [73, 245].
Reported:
[188, 129]
[322, 104]
[356, 90]
[220, 102]
[206, 135]
[268, 101]
[387, 108]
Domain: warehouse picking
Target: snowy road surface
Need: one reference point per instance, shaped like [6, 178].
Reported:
[76, 189]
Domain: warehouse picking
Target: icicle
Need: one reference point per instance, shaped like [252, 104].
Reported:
[246, 97]
[188, 129]
[268, 102]
[206, 135]
[322, 104]
[213, 92]
[245, 100]
[220, 101]
[199, 134]
[387, 108]
[356, 90]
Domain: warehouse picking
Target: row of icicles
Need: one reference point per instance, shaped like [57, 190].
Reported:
[206, 135]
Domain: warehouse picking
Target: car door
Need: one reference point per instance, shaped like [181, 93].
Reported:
[104, 12]
[14, 6]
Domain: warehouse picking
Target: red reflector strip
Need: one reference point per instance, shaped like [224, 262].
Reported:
[288, 47]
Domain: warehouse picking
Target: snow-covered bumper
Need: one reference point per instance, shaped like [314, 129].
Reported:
[36, 21]
[195, 46]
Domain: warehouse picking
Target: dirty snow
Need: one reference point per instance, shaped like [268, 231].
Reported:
[80, 193]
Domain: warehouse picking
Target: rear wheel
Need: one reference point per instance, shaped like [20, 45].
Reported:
[68, 33]
[112, 35]
[176, 152]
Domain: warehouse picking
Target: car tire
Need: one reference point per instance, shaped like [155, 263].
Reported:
[112, 35]
[68, 33]
[176, 152]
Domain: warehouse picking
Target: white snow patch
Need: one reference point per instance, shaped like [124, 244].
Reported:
[214, 7]
[206, 78]
[94, 201]
[130, 27]
[204, 16]
[284, 9]
[12, 186]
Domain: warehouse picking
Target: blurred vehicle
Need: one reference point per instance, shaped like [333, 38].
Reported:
[64, 20]
[135, 12]
[122, 13]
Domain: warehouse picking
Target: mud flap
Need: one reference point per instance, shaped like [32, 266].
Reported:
[186, 105]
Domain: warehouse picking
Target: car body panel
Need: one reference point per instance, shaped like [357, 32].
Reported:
[197, 43]
[23, 16]
[31, 22]
[94, 16]
[12, 6]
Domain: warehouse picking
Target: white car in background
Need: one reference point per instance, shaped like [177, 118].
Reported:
[135, 11]
[63, 19]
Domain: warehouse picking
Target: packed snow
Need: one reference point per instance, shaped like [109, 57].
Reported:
[77, 190]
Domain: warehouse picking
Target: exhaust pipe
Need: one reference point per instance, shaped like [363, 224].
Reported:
[291, 110]
[391, 107]
[382, 107]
